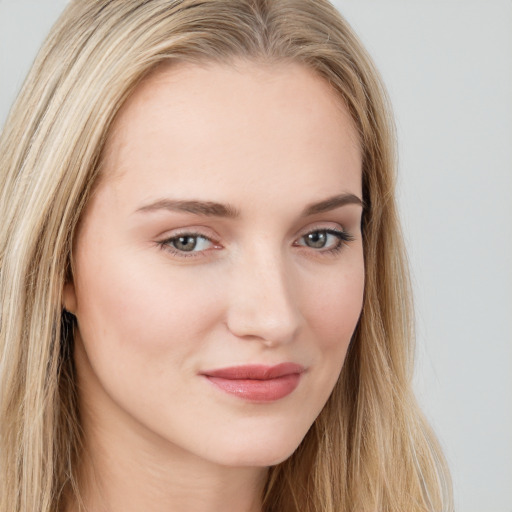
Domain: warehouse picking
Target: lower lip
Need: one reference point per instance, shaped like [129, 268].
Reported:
[267, 390]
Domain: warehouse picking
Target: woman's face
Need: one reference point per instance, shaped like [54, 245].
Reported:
[218, 268]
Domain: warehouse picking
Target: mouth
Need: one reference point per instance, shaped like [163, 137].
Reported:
[258, 383]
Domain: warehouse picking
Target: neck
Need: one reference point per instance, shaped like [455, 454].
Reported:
[119, 477]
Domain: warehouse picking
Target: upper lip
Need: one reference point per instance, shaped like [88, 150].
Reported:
[255, 371]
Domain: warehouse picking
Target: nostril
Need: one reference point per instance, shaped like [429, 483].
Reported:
[264, 323]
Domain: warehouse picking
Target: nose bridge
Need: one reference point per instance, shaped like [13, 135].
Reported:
[262, 303]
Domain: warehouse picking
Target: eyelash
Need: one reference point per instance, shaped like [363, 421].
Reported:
[343, 238]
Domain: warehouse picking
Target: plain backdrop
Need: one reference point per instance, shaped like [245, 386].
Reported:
[448, 68]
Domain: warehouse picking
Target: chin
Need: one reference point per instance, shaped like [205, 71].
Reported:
[257, 451]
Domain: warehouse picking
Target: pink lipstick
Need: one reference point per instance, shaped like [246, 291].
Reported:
[257, 382]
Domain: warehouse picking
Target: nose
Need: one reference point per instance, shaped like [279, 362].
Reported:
[262, 303]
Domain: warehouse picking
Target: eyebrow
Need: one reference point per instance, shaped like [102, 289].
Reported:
[332, 203]
[213, 209]
[207, 208]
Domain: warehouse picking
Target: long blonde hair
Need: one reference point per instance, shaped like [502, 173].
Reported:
[370, 449]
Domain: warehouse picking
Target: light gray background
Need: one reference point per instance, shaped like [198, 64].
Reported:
[448, 68]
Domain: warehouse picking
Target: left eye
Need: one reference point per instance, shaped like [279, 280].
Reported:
[324, 239]
[189, 243]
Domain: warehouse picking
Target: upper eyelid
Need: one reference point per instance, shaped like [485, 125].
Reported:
[197, 232]
[176, 233]
[188, 233]
[322, 226]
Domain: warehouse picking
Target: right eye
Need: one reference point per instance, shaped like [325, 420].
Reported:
[187, 244]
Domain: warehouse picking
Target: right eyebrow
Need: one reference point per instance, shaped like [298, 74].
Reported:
[207, 208]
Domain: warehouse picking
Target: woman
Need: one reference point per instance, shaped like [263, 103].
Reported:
[203, 289]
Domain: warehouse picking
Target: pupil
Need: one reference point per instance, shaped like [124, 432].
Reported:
[317, 239]
[185, 243]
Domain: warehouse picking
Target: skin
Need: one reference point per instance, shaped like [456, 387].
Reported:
[268, 140]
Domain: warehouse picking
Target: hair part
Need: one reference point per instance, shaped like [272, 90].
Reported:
[370, 448]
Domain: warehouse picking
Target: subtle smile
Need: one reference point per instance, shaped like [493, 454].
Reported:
[258, 383]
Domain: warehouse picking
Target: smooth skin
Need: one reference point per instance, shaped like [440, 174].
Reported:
[162, 295]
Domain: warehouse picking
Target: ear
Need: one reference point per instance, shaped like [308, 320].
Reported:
[69, 297]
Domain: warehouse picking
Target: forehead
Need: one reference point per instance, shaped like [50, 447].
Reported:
[218, 122]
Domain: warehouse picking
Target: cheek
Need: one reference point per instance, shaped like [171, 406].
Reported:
[331, 310]
[334, 306]
[141, 309]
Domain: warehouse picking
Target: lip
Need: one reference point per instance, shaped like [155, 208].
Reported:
[257, 383]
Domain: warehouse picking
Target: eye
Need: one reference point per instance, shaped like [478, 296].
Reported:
[187, 243]
[327, 240]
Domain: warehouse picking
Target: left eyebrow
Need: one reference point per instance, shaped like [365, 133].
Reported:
[332, 203]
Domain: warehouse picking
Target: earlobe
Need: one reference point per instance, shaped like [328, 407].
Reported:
[69, 297]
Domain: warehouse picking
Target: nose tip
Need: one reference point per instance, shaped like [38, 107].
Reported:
[262, 305]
